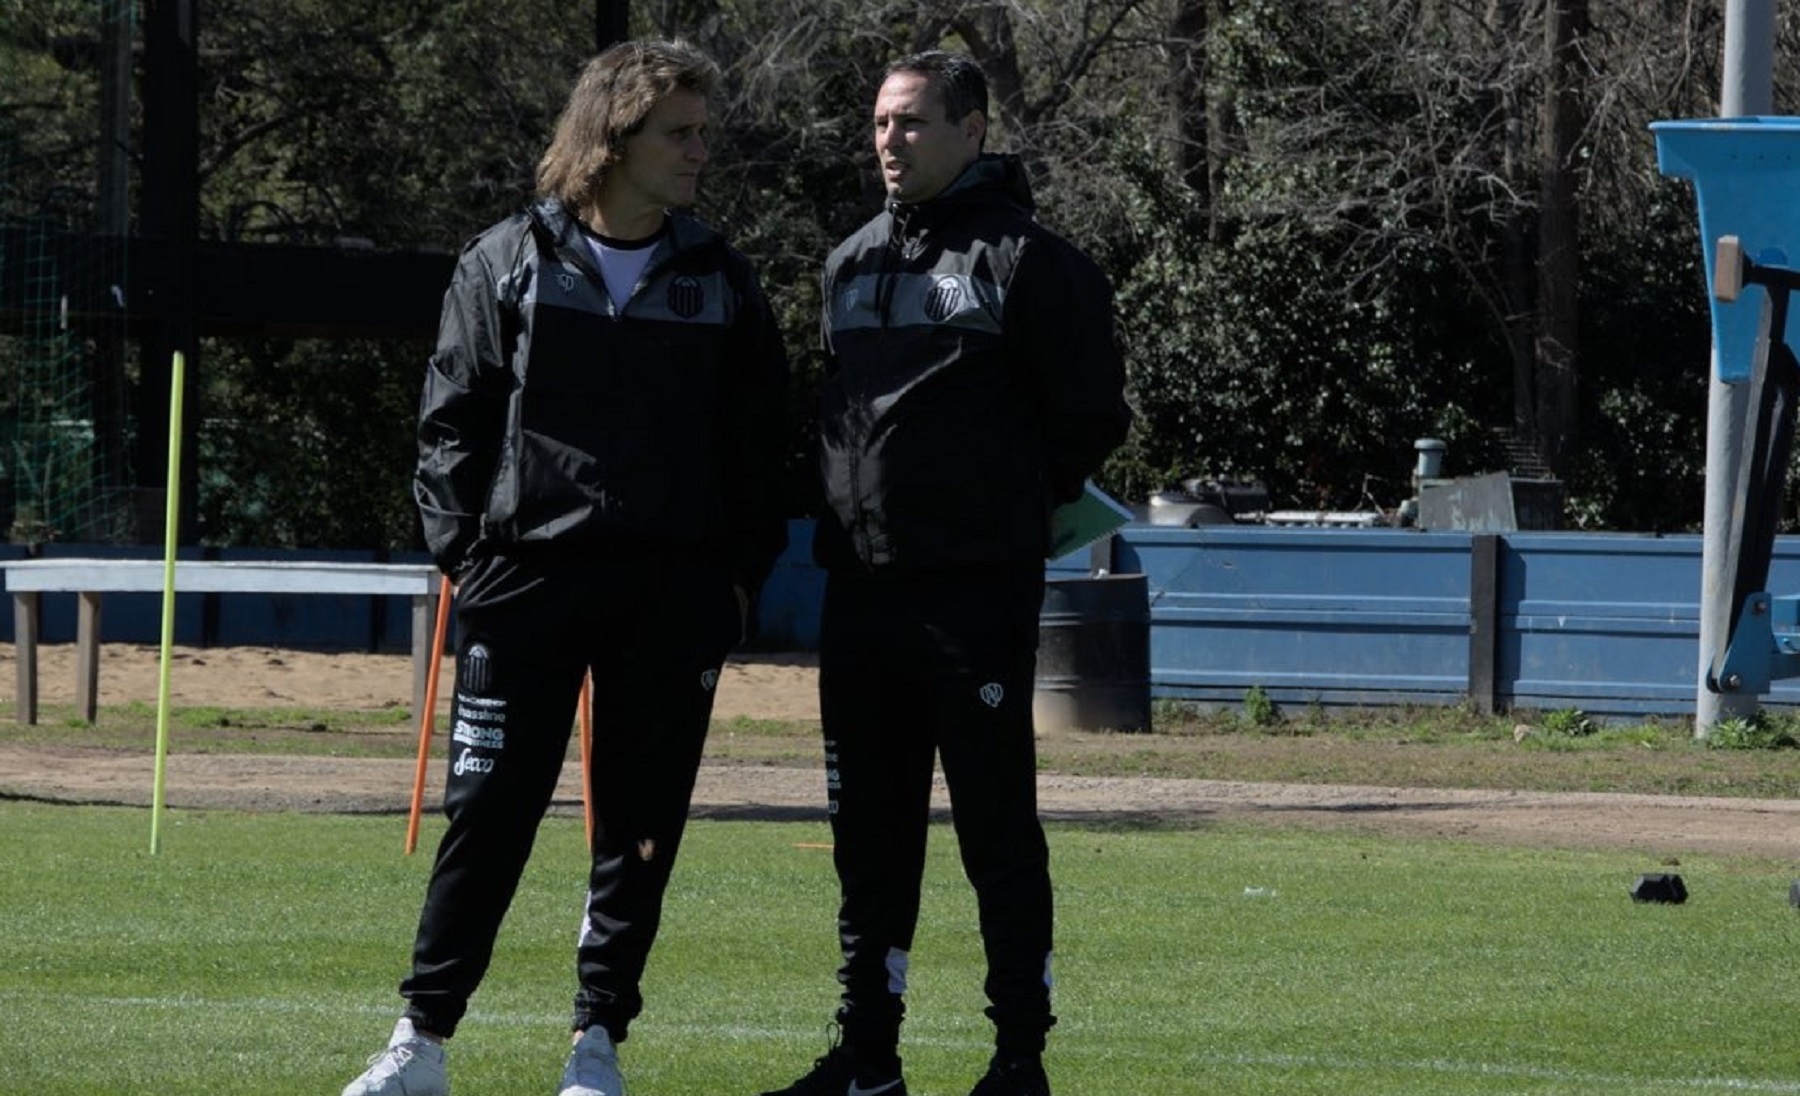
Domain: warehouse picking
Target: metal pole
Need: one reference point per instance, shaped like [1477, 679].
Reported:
[612, 23]
[1748, 87]
[169, 211]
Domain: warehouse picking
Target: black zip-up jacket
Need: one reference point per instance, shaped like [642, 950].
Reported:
[551, 420]
[971, 380]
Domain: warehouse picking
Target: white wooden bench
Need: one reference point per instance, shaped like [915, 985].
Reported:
[27, 580]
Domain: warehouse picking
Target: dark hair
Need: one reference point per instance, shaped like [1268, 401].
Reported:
[958, 78]
[616, 92]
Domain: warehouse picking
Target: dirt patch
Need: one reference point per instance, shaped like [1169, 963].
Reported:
[769, 686]
[784, 687]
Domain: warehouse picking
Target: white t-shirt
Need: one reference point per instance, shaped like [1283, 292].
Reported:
[621, 262]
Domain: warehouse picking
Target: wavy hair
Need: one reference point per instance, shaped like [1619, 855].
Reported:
[609, 103]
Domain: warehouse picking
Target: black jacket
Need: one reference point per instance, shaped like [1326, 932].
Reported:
[971, 380]
[551, 420]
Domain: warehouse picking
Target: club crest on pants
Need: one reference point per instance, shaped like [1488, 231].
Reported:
[992, 694]
[474, 675]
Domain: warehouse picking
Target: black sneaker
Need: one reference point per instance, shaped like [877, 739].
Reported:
[840, 1074]
[1013, 1076]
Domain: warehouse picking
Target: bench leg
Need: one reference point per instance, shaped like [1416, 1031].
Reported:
[424, 614]
[25, 638]
[87, 656]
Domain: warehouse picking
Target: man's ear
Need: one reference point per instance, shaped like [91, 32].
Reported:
[975, 127]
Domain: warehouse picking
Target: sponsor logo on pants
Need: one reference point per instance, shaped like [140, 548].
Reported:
[480, 730]
[468, 762]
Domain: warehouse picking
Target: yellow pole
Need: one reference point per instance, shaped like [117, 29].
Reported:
[171, 516]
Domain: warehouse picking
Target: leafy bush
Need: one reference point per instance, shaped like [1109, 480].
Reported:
[1259, 708]
[1757, 732]
[1569, 723]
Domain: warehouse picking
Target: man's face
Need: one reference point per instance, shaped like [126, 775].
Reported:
[662, 160]
[921, 149]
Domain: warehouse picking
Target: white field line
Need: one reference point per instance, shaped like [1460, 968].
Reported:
[1599, 1082]
[1444, 1067]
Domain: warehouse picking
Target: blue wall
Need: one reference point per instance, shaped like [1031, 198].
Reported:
[787, 617]
[1353, 617]
[1608, 623]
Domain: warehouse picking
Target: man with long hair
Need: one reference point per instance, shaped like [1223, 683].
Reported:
[599, 444]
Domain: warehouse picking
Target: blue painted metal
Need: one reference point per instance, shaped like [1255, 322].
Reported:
[787, 613]
[1608, 623]
[1744, 171]
[1336, 617]
[1767, 647]
[793, 598]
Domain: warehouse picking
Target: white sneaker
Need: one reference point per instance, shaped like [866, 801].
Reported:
[593, 1068]
[412, 1065]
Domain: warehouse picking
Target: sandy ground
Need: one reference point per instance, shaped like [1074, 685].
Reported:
[775, 686]
[1660, 828]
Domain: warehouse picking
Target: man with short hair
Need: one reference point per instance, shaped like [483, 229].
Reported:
[971, 386]
[599, 444]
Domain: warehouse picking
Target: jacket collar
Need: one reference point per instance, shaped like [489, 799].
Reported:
[992, 176]
[556, 221]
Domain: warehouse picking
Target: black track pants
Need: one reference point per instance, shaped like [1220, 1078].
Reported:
[913, 666]
[654, 631]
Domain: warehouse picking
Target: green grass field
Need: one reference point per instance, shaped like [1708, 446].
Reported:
[258, 954]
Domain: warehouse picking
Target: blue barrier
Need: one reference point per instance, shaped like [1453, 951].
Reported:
[1335, 617]
[1608, 623]
[1604, 622]
[787, 617]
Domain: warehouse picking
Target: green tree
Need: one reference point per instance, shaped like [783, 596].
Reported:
[1325, 221]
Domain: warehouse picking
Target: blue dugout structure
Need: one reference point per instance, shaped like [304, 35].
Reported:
[1743, 170]
[1608, 623]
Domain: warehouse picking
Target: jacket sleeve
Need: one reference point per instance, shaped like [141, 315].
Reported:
[755, 436]
[462, 413]
[1059, 318]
